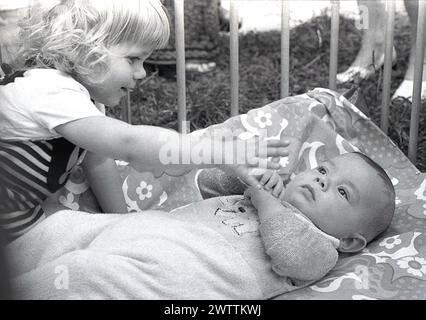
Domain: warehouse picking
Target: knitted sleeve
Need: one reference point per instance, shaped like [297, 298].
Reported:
[296, 249]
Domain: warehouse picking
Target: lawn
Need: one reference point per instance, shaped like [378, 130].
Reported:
[208, 96]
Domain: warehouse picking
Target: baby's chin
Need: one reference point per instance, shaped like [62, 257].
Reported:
[293, 195]
[297, 200]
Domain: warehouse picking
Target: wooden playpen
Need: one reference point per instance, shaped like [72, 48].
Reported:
[285, 63]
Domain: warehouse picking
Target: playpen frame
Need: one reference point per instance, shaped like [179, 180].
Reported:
[285, 64]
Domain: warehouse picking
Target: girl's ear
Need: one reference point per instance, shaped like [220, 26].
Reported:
[352, 244]
[98, 71]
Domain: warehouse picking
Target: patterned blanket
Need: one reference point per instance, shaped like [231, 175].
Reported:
[320, 125]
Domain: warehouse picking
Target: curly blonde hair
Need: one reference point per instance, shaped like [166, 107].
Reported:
[74, 36]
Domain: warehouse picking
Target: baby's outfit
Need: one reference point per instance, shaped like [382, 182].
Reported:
[211, 249]
[294, 251]
[35, 160]
[283, 253]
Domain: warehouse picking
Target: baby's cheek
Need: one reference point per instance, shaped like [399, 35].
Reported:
[295, 200]
[290, 191]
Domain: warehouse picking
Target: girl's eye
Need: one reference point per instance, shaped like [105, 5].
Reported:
[322, 170]
[133, 59]
[343, 192]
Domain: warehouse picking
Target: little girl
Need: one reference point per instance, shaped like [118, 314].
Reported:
[77, 57]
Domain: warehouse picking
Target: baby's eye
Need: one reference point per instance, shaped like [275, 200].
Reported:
[343, 192]
[322, 170]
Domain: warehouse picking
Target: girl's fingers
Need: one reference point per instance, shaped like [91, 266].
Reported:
[278, 143]
[258, 163]
[277, 152]
[275, 159]
[273, 165]
[277, 148]
[263, 163]
[260, 149]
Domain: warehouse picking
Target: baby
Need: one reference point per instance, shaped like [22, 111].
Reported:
[349, 197]
[340, 206]
[221, 248]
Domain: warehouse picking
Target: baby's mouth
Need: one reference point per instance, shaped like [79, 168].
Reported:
[310, 190]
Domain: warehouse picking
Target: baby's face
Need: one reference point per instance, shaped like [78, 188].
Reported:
[338, 195]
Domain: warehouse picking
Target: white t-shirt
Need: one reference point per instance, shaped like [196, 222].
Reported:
[35, 161]
[14, 4]
[33, 105]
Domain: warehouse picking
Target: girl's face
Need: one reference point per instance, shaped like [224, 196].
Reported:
[126, 66]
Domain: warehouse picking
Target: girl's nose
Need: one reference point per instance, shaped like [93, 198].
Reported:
[139, 72]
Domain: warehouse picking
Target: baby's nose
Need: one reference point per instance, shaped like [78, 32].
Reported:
[323, 183]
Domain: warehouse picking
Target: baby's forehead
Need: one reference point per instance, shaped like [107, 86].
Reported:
[356, 170]
[352, 161]
[350, 156]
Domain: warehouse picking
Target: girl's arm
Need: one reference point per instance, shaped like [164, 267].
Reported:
[150, 148]
[105, 182]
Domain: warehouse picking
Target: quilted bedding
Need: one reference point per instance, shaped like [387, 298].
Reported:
[320, 125]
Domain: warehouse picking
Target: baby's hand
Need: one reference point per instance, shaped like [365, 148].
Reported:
[273, 182]
[258, 197]
[266, 204]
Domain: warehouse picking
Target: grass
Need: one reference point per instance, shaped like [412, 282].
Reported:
[208, 96]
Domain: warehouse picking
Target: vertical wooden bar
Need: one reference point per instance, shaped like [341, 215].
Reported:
[233, 11]
[180, 64]
[285, 48]
[335, 8]
[418, 74]
[387, 74]
[1, 61]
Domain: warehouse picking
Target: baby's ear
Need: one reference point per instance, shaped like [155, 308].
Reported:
[352, 244]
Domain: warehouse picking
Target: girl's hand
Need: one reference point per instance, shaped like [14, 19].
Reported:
[272, 182]
[254, 152]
